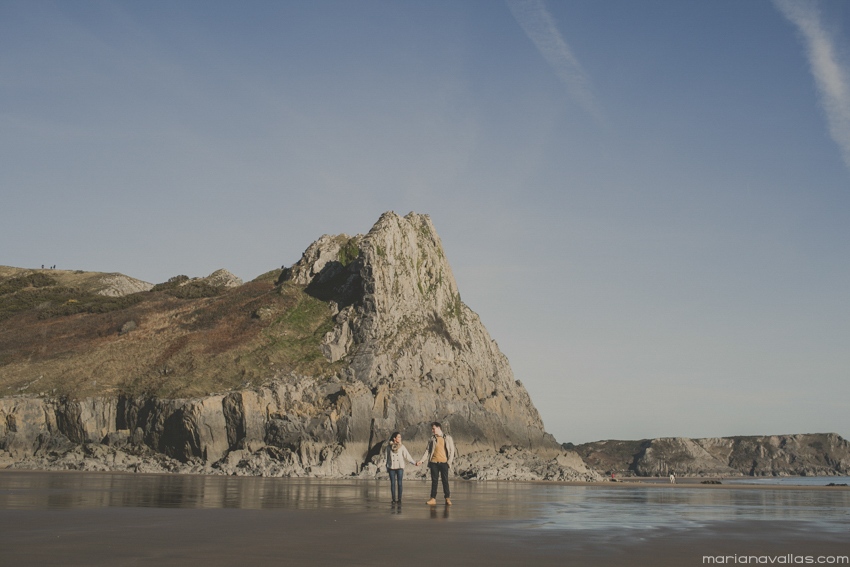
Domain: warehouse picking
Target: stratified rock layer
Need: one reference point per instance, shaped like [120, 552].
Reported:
[775, 455]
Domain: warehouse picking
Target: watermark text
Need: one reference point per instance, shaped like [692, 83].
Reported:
[789, 559]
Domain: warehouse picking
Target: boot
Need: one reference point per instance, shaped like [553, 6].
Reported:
[448, 502]
[432, 502]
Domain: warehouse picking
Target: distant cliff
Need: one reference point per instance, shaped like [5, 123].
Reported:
[304, 371]
[776, 455]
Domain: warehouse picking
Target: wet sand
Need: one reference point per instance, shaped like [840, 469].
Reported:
[213, 537]
[80, 519]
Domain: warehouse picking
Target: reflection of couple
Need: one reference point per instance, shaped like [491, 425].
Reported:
[439, 455]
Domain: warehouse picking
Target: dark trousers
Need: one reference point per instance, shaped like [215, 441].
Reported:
[440, 470]
[395, 480]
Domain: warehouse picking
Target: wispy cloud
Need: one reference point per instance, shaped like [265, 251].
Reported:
[539, 26]
[832, 79]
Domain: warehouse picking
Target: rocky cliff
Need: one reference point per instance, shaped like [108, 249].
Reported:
[409, 338]
[316, 364]
[775, 455]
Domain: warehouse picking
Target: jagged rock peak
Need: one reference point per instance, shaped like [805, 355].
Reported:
[327, 252]
[401, 328]
[407, 268]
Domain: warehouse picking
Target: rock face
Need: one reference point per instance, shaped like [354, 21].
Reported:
[408, 337]
[222, 278]
[777, 455]
[515, 463]
[408, 352]
[119, 285]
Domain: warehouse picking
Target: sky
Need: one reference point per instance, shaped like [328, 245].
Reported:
[647, 203]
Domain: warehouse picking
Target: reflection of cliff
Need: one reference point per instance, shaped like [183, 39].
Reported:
[363, 336]
[776, 455]
[94, 490]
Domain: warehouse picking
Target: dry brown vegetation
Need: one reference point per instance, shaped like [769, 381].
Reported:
[180, 346]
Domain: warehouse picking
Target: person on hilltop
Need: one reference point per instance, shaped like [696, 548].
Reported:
[439, 454]
[397, 454]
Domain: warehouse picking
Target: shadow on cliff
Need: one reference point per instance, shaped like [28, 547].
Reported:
[336, 282]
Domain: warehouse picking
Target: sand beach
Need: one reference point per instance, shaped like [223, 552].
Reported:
[123, 519]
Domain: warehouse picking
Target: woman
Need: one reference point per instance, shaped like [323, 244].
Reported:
[397, 454]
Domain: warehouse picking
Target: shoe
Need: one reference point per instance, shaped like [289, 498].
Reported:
[432, 502]
[395, 501]
[448, 502]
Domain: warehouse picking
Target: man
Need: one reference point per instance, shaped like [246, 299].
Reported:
[439, 454]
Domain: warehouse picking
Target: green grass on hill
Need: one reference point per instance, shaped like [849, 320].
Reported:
[59, 340]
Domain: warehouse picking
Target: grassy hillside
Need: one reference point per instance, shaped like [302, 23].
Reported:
[184, 337]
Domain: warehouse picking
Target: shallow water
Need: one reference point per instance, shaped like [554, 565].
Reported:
[532, 506]
[690, 508]
[791, 480]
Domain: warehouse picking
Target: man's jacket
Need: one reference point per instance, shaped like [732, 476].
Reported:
[432, 443]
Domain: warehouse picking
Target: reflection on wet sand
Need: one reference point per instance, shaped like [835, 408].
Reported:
[530, 505]
[107, 519]
[92, 490]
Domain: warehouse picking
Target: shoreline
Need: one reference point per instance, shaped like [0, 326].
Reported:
[642, 482]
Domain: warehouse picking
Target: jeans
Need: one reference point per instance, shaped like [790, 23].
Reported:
[395, 479]
[440, 470]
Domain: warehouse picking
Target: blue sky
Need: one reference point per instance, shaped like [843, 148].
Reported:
[647, 203]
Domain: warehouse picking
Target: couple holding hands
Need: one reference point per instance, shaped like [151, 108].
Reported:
[439, 455]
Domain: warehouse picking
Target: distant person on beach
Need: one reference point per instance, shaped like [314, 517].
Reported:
[439, 454]
[672, 478]
[397, 454]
